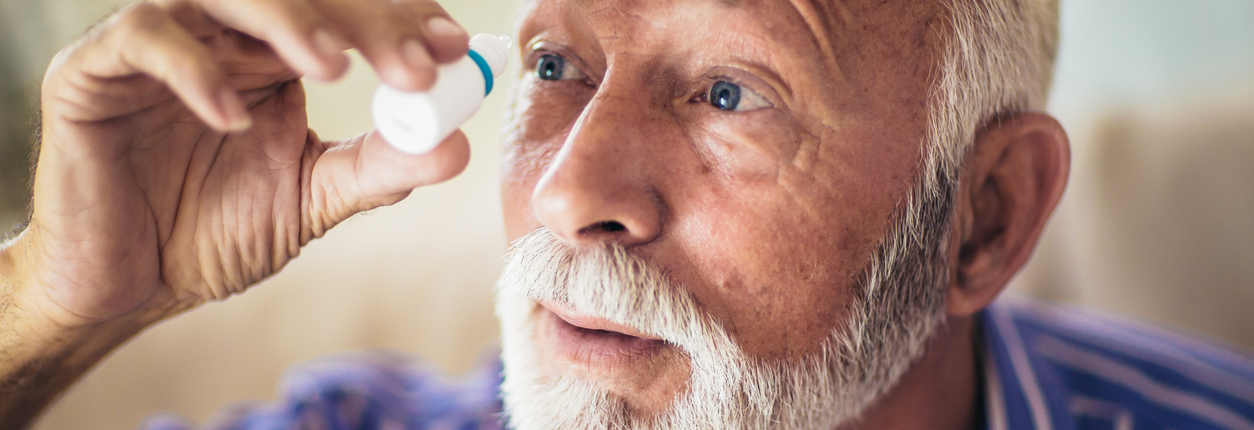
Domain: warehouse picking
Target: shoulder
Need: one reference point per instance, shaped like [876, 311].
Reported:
[1073, 368]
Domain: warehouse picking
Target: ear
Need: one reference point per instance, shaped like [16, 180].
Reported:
[1012, 179]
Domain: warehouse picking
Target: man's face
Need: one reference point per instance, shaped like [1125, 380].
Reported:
[754, 152]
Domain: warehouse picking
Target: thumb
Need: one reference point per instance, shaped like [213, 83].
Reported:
[366, 172]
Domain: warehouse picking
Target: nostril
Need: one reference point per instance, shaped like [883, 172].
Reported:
[611, 226]
[607, 226]
[603, 227]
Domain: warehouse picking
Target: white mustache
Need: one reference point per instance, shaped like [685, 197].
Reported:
[608, 282]
[883, 334]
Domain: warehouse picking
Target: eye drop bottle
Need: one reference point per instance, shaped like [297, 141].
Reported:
[415, 122]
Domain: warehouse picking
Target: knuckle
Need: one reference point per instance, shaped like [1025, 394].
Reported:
[385, 17]
[138, 20]
[422, 8]
[179, 70]
[188, 70]
[297, 14]
[140, 15]
[59, 60]
[415, 12]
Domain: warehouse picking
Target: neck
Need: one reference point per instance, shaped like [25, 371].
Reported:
[941, 390]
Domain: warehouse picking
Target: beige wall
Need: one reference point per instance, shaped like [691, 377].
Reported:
[1158, 222]
[1158, 219]
[417, 276]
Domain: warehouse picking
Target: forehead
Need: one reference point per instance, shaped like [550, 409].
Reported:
[836, 9]
[634, 18]
[824, 19]
[848, 37]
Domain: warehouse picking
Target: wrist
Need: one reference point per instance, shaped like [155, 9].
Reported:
[32, 327]
[11, 277]
[41, 358]
[23, 317]
[28, 332]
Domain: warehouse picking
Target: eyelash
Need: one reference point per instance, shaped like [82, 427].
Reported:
[567, 68]
[742, 92]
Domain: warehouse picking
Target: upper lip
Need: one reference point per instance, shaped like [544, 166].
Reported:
[594, 323]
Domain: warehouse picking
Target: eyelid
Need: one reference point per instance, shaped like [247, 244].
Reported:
[746, 81]
[703, 94]
[541, 48]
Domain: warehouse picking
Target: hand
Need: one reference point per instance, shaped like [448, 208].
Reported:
[177, 165]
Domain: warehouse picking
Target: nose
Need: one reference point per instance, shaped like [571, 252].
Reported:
[597, 189]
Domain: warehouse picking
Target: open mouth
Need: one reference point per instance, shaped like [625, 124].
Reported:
[595, 344]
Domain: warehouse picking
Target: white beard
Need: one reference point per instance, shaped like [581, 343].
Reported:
[885, 332]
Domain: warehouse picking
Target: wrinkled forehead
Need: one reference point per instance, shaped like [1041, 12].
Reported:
[825, 21]
[850, 44]
[637, 20]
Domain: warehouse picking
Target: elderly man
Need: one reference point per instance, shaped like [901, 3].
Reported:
[725, 214]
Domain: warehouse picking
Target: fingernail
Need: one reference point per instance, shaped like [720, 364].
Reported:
[327, 43]
[443, 27]
[237, 117]
[241, 123]
[415, 54]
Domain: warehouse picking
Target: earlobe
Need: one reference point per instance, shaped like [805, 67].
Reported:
[1011, 182]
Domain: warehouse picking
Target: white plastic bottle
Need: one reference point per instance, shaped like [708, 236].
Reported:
[415, 122]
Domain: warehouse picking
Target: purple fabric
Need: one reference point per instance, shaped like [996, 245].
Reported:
[367, 391]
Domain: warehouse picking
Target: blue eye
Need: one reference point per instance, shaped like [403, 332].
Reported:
[550, 67]
[724, 95]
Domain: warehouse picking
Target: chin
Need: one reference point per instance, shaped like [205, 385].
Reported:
[543, 390]
[574, 328]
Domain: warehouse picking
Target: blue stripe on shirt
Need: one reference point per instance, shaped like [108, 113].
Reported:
[1091, 369]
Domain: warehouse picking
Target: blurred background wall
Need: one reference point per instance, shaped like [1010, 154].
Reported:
[1157, 223]
[1158, 220]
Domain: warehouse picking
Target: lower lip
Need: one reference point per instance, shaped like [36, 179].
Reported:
[597, 351]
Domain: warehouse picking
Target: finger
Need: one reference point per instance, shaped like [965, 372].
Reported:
[367, 172]
[397, 39]
[143, 39]
[297, 32]
[445, 39]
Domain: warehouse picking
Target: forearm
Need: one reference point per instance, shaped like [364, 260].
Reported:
[37, 369]
[40, 359]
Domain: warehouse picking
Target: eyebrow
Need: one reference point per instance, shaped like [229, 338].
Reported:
[823, 17]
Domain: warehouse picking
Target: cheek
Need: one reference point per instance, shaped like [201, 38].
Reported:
[779, 234]
[748, 146]
[542, 118]
[776, 269]
[773, 237]
[778, 280]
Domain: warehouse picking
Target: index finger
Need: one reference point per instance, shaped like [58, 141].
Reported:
[294, 29]
[402, 39]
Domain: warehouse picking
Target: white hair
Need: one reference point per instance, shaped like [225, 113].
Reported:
[998, 61]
